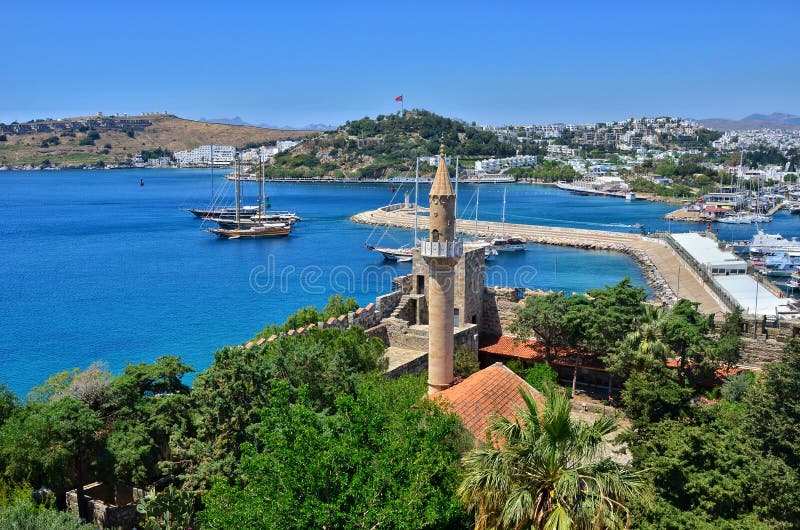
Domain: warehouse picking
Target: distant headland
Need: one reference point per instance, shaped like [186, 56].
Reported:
[113, 141]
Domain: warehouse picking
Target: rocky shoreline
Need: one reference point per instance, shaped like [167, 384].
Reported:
[662, 291]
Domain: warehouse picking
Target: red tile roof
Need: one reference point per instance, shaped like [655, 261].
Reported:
[491, 391]
[531, 350]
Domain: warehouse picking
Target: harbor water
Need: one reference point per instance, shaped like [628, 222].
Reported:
[96, 267]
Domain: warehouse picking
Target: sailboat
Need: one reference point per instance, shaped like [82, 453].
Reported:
[261, 215]
[213, 213]
[740, 218]
[503, 243]
[404, 253]
[488, 250]
[276, 229]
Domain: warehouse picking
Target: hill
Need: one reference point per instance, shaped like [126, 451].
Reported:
[111, 141]
[372, 148]
[776, 120]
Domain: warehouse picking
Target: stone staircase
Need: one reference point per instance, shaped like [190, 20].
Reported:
[758, 352]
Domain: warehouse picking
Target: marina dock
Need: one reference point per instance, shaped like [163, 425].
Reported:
[667, 273]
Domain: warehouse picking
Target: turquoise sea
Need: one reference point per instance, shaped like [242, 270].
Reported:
[95, 267]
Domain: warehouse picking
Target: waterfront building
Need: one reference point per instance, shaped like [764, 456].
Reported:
[201, 156]
[497, 164]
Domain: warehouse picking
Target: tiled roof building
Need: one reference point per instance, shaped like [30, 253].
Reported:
[491, 391]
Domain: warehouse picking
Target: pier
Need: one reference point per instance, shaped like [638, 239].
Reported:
[667, 273]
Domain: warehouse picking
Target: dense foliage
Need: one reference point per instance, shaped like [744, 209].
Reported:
[372, 148]
[385, 458]
[306, 432]
[550, 472]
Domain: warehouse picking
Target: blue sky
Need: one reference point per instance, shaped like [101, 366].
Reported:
[296, 62]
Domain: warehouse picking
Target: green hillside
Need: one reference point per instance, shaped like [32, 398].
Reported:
[388, 145]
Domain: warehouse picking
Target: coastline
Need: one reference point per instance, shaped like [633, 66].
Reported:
[660, 266]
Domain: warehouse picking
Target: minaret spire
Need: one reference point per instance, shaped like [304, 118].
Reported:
[441, 252]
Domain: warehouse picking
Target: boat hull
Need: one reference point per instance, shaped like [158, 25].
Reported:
[252, 233]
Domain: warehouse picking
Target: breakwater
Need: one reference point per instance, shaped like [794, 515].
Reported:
[664, 270]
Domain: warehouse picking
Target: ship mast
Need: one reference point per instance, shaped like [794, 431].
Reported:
[416, 201]
[503, 216]
[238, 193]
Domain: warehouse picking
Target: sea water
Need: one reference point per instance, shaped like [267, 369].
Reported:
[95, 267]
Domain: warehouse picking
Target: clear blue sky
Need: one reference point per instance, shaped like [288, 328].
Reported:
[295, 62]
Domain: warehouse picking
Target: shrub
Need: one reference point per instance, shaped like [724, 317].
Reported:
[465, 363]
[540, 375]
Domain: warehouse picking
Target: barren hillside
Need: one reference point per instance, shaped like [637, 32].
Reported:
[115, 147]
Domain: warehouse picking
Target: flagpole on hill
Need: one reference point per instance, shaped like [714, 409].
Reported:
[402, 105]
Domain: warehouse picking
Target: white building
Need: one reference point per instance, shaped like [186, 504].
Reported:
[497, 164]
[283, 145]
[201, 156]
[555, 149]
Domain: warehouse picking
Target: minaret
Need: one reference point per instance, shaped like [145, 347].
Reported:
[441, 252]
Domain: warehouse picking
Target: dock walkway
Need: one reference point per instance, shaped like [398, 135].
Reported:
[666, 272]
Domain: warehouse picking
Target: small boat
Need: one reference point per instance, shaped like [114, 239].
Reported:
[504, 243]
[741, 218]
[253, 232]
[246, 211]
[507, 244]
[400, 254]
[404, 253]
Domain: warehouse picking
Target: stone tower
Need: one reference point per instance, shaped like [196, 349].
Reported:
[441, 251]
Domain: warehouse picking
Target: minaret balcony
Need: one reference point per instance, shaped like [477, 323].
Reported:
[441, 249]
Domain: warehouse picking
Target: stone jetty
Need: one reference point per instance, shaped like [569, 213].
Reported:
[668, 275]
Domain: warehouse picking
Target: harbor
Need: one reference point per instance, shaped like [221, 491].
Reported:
[666, 272]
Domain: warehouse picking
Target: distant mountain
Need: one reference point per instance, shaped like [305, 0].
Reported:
[227, 121]
[239, 121]
[776, 120]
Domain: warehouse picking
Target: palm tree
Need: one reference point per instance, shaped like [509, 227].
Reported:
[547, 471]
[645, 342]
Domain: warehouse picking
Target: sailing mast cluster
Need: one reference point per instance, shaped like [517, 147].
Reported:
[250, 222]
[492, 246]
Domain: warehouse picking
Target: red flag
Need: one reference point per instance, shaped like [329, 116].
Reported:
[398, 98]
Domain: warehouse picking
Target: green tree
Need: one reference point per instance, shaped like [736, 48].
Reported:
[465, 362]
[549, 472]
[8, 403]
[543, 318]
[685, 331]
[642, 348]
[728, 347]
[229, 395]
[774, 407]
[148, 411]
[598, 321]
[652, 395]
[54, 444]
[337, 305]
[540, 375]
[386, 458]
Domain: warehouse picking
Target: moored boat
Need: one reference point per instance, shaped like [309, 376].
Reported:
[504, 243]
[253, 232]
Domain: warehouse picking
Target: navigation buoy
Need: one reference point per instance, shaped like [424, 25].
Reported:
[141, 182]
